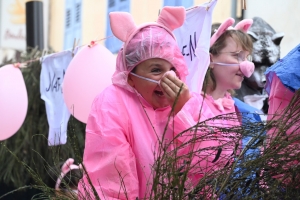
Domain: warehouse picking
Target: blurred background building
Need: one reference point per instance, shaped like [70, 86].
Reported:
[87, 20]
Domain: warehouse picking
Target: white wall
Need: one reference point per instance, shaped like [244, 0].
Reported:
[282, 15]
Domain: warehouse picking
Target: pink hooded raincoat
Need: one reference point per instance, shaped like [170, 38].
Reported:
[123, 129]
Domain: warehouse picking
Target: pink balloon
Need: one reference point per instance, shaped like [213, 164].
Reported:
[87, 75]
[13, 101]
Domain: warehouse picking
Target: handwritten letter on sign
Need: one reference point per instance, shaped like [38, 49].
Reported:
[189, 49]
[55, 82]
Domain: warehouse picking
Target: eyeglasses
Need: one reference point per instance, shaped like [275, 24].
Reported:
[241, 55]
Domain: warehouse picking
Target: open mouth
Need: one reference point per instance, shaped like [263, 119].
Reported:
[159, 93]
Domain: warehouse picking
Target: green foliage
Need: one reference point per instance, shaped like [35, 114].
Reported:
[266, 168]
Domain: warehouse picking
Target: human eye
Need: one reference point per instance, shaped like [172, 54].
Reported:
[156, 70]
[173, 69]
[236, 55]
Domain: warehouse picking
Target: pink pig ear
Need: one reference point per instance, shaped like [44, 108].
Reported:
[67, 165]
[244, 25]
[122, 25]
[223, 27]
[171, 17]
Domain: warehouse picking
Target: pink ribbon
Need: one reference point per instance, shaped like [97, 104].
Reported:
[222, 103]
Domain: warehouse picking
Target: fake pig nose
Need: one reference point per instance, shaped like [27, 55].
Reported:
[247, 68]
[168, 72]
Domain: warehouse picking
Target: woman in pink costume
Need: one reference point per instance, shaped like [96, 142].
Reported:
[230, 55]
[129, 117]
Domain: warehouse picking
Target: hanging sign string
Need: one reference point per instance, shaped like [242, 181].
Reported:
[25, 64]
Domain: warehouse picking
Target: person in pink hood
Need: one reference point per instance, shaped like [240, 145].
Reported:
[230, 60]
[128, 119]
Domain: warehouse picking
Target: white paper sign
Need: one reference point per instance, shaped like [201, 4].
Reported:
[193, 38]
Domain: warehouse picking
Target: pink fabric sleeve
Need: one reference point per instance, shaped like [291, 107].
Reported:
[279, 99]
[194, 111]
[188, 116]
[108, 157]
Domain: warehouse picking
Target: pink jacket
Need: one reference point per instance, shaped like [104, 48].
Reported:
[121, 141]
[123, 130]
[209, 108]
[279, 99]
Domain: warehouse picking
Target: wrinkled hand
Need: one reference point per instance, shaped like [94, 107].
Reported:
[171, 86]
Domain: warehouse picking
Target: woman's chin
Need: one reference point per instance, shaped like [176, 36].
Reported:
[237, 86]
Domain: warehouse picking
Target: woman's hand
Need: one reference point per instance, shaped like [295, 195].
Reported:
[171, 86]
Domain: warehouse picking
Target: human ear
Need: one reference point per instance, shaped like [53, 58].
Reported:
[211, 60]
[210, 57]
[130, 81]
